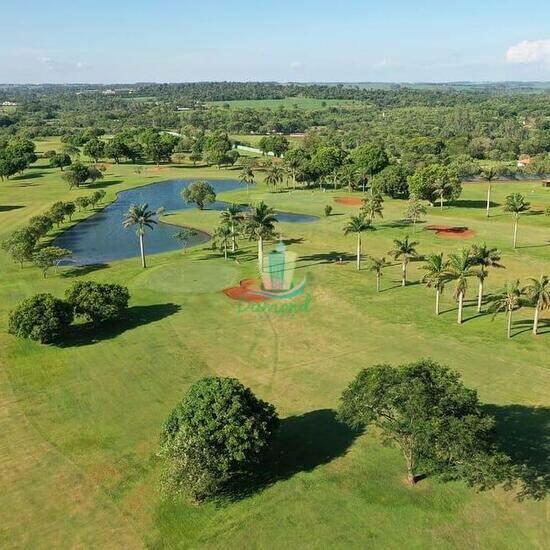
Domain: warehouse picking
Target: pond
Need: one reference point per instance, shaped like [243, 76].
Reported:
[102, 239]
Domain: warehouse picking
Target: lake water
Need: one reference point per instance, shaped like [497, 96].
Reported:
[101, 238]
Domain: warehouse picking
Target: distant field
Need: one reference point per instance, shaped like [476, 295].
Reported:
[301, 102]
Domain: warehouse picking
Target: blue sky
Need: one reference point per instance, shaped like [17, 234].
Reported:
[169, 41]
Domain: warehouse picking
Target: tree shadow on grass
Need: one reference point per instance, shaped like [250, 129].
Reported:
[135, 316]
[526, 325]
[325, 258]
[10, 207]
[304, 442]
[523, 433]
[79, 270]
[28, 176]
[469, 203]
[101, 184]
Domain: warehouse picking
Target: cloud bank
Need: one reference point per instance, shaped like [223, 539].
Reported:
[529, 51]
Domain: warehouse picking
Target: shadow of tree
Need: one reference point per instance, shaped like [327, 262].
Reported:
[28, 176]
[10, 207]
[325, 258]
[304, 442]
[523, 433]
[79, 270]
[526, 325]
[135, 316]
[100, 184]
[469, 203]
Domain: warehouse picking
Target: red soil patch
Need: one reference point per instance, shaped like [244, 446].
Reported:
[449, 232]
[243, 292]
[349, 201]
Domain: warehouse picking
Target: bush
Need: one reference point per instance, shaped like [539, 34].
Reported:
[42, 317]
[98, 302]
[328, 210]
[219, 430]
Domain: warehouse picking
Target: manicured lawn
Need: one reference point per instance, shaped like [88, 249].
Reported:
[80, 423]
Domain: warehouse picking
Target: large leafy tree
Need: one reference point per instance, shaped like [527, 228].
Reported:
[538, 292]
[219, 431]
[484, 258]
[98, 302]
[140, 216]
[438, 424]
[358, 225]
[434, 182]
[326, 160]
[404, 250]
[516, 205]
[260, 225]
[294, 159]
[436, 275]
[48, 257]
[200, 193]
[369, 159]
[20, 245]
[43, 318]
[460, 269]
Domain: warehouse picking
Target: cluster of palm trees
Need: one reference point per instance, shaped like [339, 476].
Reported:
[460, 267]
[257, 223]
[274, 174]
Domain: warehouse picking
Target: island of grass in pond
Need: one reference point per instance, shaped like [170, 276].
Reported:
[102, 238]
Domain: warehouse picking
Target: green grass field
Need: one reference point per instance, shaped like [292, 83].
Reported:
[80, 423]
[307, 103]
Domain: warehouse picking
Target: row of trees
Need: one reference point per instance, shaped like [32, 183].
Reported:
[221, 435]
[45, 318]
[23, 245]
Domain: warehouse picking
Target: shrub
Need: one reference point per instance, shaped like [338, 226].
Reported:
[328, 210]
[98, 302]
[42, 317]
[219, 430]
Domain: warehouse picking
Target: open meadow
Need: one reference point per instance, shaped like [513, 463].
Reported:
[80, 422]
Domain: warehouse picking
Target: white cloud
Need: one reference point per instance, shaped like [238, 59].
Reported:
[54, 65]
[296, 65]
[529, 51]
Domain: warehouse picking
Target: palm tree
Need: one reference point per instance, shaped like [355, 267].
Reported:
[516, 204]
[358, 225]
[404, 250]
[440, 187]
[508, 299]
[377, 265]
[273, 176]
[247, 176]
[372, 205]
[260, 224]
[488, 175]
[415, 210]
[459, 269]
[222, 238]
[140, 215]
[538, 293]
[483, 257]
[232, 216]
[436, 276]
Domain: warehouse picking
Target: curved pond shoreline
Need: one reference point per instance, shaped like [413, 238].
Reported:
[101, 238]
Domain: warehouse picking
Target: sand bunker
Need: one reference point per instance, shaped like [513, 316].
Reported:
[244, 292]
[349, 201]
[450, 232]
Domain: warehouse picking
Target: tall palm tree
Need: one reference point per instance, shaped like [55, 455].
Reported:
[516, 204]
[440, 187]
[415, 210]
[377, 265]
[538, 292]
[247, 176]
[508, 300]
[222, 238]
[372, 205]
[142, 217]
[358, 225]
[436, 276]
[483, 257]
[273, 176]
[232, 216]
[459, 269]
[260, 224]
[489, 174]
[404, 250]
